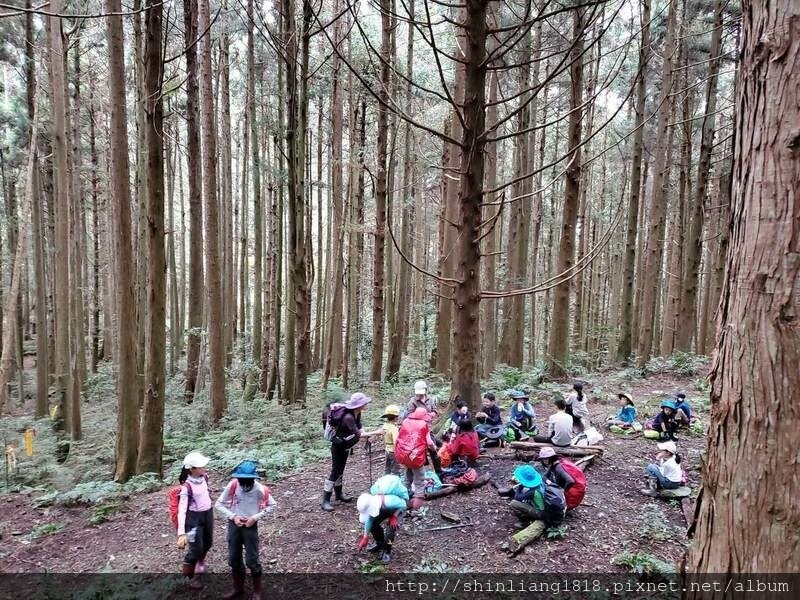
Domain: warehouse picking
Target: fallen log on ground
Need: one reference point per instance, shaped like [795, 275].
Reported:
[539, 446]
[446, 491]
[535, 530]
[572, 452]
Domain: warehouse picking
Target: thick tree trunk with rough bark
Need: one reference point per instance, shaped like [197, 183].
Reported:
[558, 346]
[755, 376]
[127, 384]
[151, 438]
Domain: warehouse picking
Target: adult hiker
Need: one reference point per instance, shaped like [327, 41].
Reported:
[626, 415]
[663, 425]
[380, 511]
[344, 423]
[195, 517]
[244, 502]
[667, 474]
[414, 441]
[522, 415]
[389, 429]
[421, 399]
[490, 412]
[559, 426]
[576, 406]
[565, 474]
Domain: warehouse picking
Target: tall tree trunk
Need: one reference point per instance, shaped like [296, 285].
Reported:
[489, 306]
[378, 268]
[194, 178]
[127, 385]
[62, 186]
[151, 438]
[625, 346]
[755, 373]
[558, 347]
[216, 350]
[717, 269]
[256, 179]
[687, 322]
[466, 329]
[654, 248]
[226, 205]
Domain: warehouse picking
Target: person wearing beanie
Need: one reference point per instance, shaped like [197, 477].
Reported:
[667, 473]
[244, 502]
[195, 517]
[345, 420]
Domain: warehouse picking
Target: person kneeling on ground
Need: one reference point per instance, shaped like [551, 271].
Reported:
[244, 502]
[528, 502]
[389, 430]
[559, 427]
[522, 415]
[663, 426]
[667, 474]
[626, 415]
[465, 446]
[564, 474]
[683, 412]
[386, 502]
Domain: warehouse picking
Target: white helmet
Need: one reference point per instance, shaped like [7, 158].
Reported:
[195, 459]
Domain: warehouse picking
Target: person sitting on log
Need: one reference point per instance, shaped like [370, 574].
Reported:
[522, 415]
[667, 474]
[626, 416]
[576, 407]
[528, 502]
[385, 503]
[559, 427]
[566, 475]
[663, 426]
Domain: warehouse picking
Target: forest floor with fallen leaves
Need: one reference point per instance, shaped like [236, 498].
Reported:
[615, 522]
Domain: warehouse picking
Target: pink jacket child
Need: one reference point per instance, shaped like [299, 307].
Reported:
[195, 517]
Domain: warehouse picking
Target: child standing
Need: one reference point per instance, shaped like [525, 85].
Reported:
[195, 517]
[244, 502]
[389, 430]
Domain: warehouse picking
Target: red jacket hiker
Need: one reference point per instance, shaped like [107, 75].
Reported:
[465, 445]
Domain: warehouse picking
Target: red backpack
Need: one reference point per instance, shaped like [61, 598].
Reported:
[412, 444]
[574, 495]
[174, 500]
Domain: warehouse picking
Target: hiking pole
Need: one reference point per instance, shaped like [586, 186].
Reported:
[368, 448]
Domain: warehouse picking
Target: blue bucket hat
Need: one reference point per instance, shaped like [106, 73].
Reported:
[528, 476]
[669, 404]
[246, 470]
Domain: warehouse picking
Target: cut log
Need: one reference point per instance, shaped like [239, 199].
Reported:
[452, 517]
[681, 492]
[585, 462]
[446, 491]
[558, 449]
[525, 536]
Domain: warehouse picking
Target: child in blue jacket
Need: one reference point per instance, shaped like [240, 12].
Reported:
[386, 502]
[627, 412]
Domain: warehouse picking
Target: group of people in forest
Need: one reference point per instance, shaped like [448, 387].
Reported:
[417, 461]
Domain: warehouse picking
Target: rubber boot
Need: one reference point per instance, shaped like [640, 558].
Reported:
[238, 586]
[326, 502]
[191, 581]
[652, 488]
[256, 593]
[340, 497]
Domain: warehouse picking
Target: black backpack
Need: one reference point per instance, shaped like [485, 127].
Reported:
[555, 504]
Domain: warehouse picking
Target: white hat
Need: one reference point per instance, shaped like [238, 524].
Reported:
[195, 459]
[420, 388]
[368, 506]
[669, 447]
[546, 452]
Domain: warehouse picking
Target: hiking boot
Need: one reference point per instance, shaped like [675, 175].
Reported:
[200, 567]
[340, 497]
[238, 586]
[374, 547]
[256, 593]
[386, 557]
[326, 502]
[192, 582]
[651, 489]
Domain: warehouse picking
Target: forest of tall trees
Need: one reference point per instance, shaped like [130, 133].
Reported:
[360, 188]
